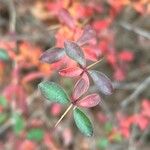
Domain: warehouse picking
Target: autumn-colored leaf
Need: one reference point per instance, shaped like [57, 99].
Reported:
[65, 17]
[32, 76]
[53, 92]
[70, 72]
[81, 87]
[74, 51]
[89, 101]
[52, 55]
[83, 123]
[102, 82]
[126, 56]
[88, 34]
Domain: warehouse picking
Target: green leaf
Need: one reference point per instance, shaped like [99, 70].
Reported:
[3, 55]
[83, 123]
[108, 127]
[102, 143]
[18, 123]
[3, 101]
[35, 134]
[3, 117]
[53, 92]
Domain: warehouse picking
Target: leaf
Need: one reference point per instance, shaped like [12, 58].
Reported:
[66, 18]
[127, 56]
[32, 76]
[3, 101]
[89, 101]
[3, 117]
[36, 134]
[53, 92]
[74, 51]
[3, 55]
[88, 34]
[80, 87]
[102, 143]
[70, 72]
[52, 55]
[18, 123]
[102, 82]
[83, 123]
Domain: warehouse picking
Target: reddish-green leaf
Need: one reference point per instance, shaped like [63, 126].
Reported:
[66, 18]
[52, 55]
[74, 51]
[53, 92]
[102, 82]
[81, 87]
[89, 101]
[88, 34]
[83, 123]
[70, 72]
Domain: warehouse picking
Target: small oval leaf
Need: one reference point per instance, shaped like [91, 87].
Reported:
[53, 92]
[88, 34]
[74, 51]
[83, 123]
[52, 55]
[81, 87]
[89, 101]
[3, 55]
[65, 17]
[102, 82]
[70, 72]
[36, 134]
[18, 123]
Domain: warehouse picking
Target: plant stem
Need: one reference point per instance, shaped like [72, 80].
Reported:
[64, 114]
[94, 63]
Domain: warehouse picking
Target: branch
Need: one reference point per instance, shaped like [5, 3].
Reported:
[137, 92]
[136, 30]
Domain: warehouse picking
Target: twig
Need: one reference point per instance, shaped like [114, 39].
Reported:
[137, 92]
[4, 127]
[137, 30]
[12, 25]
[64, 114]
[90, 66]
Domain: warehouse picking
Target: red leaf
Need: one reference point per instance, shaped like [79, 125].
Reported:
[66, 18]
[74, 51]
[70, 72]
[127, 56]
[16, 91]
[52, 55]
[146, 108]
[32, 76]
[102, 82]
[89, 101]
[101, 24]
[88, 34]
[81, 87]
[28, 145]
[119, 74]
[55, 109]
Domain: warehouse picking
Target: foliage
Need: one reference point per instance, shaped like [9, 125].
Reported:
[66, 48]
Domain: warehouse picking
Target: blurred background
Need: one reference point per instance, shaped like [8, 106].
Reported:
[30, 27]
